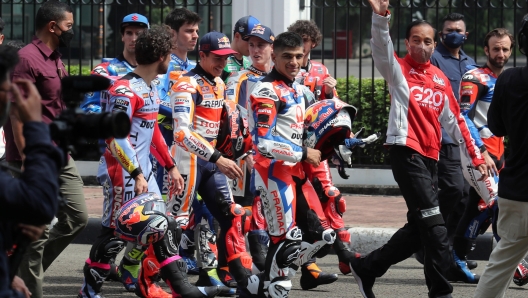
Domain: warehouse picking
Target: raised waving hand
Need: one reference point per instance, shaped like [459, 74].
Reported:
[379, 6]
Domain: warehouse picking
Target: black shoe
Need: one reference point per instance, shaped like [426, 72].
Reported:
[365, 283]
[471, 264]
[312, 277]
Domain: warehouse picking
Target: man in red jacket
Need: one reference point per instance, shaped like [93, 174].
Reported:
[421, 102]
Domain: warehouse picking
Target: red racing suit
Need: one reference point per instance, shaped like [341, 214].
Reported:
[333, 203]
[312, 76]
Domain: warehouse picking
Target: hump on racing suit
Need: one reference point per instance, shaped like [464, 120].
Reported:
[131, 95]
[234, 139]
[327, 124]
[112, 68]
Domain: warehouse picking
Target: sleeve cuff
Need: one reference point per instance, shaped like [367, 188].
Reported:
[36, 133]
[215, 157]
[305, 153]
[482, 149]
[136, 173]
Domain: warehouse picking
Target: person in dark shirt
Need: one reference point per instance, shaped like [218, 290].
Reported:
[507, 116]
[452, 60]
[30, 201]
[40, 63]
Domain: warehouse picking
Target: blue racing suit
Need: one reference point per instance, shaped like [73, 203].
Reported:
[112, 68]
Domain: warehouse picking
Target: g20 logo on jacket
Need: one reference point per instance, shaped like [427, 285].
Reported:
[427, 97]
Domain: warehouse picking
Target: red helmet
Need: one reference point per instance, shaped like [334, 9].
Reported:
[142, 220]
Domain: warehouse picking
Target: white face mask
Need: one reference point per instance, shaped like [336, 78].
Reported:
[419, 53]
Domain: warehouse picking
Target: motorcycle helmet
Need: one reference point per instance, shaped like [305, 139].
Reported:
[327, 124]
[142, 220]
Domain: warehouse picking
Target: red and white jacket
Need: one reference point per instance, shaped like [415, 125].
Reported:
[421, 100]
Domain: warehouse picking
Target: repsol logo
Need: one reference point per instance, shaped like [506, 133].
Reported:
[147, 124]
[215, 104]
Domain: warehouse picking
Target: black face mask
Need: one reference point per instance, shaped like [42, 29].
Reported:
[65, 38]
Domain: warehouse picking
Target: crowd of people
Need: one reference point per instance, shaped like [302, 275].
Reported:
[232, 152]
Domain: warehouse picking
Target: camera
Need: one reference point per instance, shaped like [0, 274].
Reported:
[79, 133]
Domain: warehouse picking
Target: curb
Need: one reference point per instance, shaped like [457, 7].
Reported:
[363, 240]
[378, 190]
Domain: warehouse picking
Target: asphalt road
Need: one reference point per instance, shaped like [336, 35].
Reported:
[404, 280]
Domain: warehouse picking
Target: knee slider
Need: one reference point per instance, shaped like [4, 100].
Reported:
[339, 202]
[113, 247]
[288, 253]
[238, 213]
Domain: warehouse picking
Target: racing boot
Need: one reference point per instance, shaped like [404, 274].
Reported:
[520, 277]
[258, 247]
[149, 276]
[209, 277]
[128, 275]
[226, 277]
[114, 274]
[94, 276]
[344, 255]
[187, 252]
[312, 276]
[460, 272]
[174, 274]
[128, 270]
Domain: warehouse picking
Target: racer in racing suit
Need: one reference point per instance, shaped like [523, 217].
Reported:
[259, 41]
[184, 28]
[239, 60]
[315, 77]
[476, 92]
[290, 204]
[95, 102]
[114, 68]
[421, 102]
[125, 167]
[197, 100]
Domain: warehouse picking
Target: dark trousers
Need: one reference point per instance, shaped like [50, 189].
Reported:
[451, 197]
[416, 176]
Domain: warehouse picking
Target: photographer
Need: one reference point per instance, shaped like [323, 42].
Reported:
[40, 63]
[18, 196]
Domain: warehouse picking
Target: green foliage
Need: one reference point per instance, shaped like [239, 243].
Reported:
[371, 98]
[157, 14]
[73, 70]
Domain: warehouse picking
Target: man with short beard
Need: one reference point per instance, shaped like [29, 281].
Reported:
[421, 102]
[476, 91]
